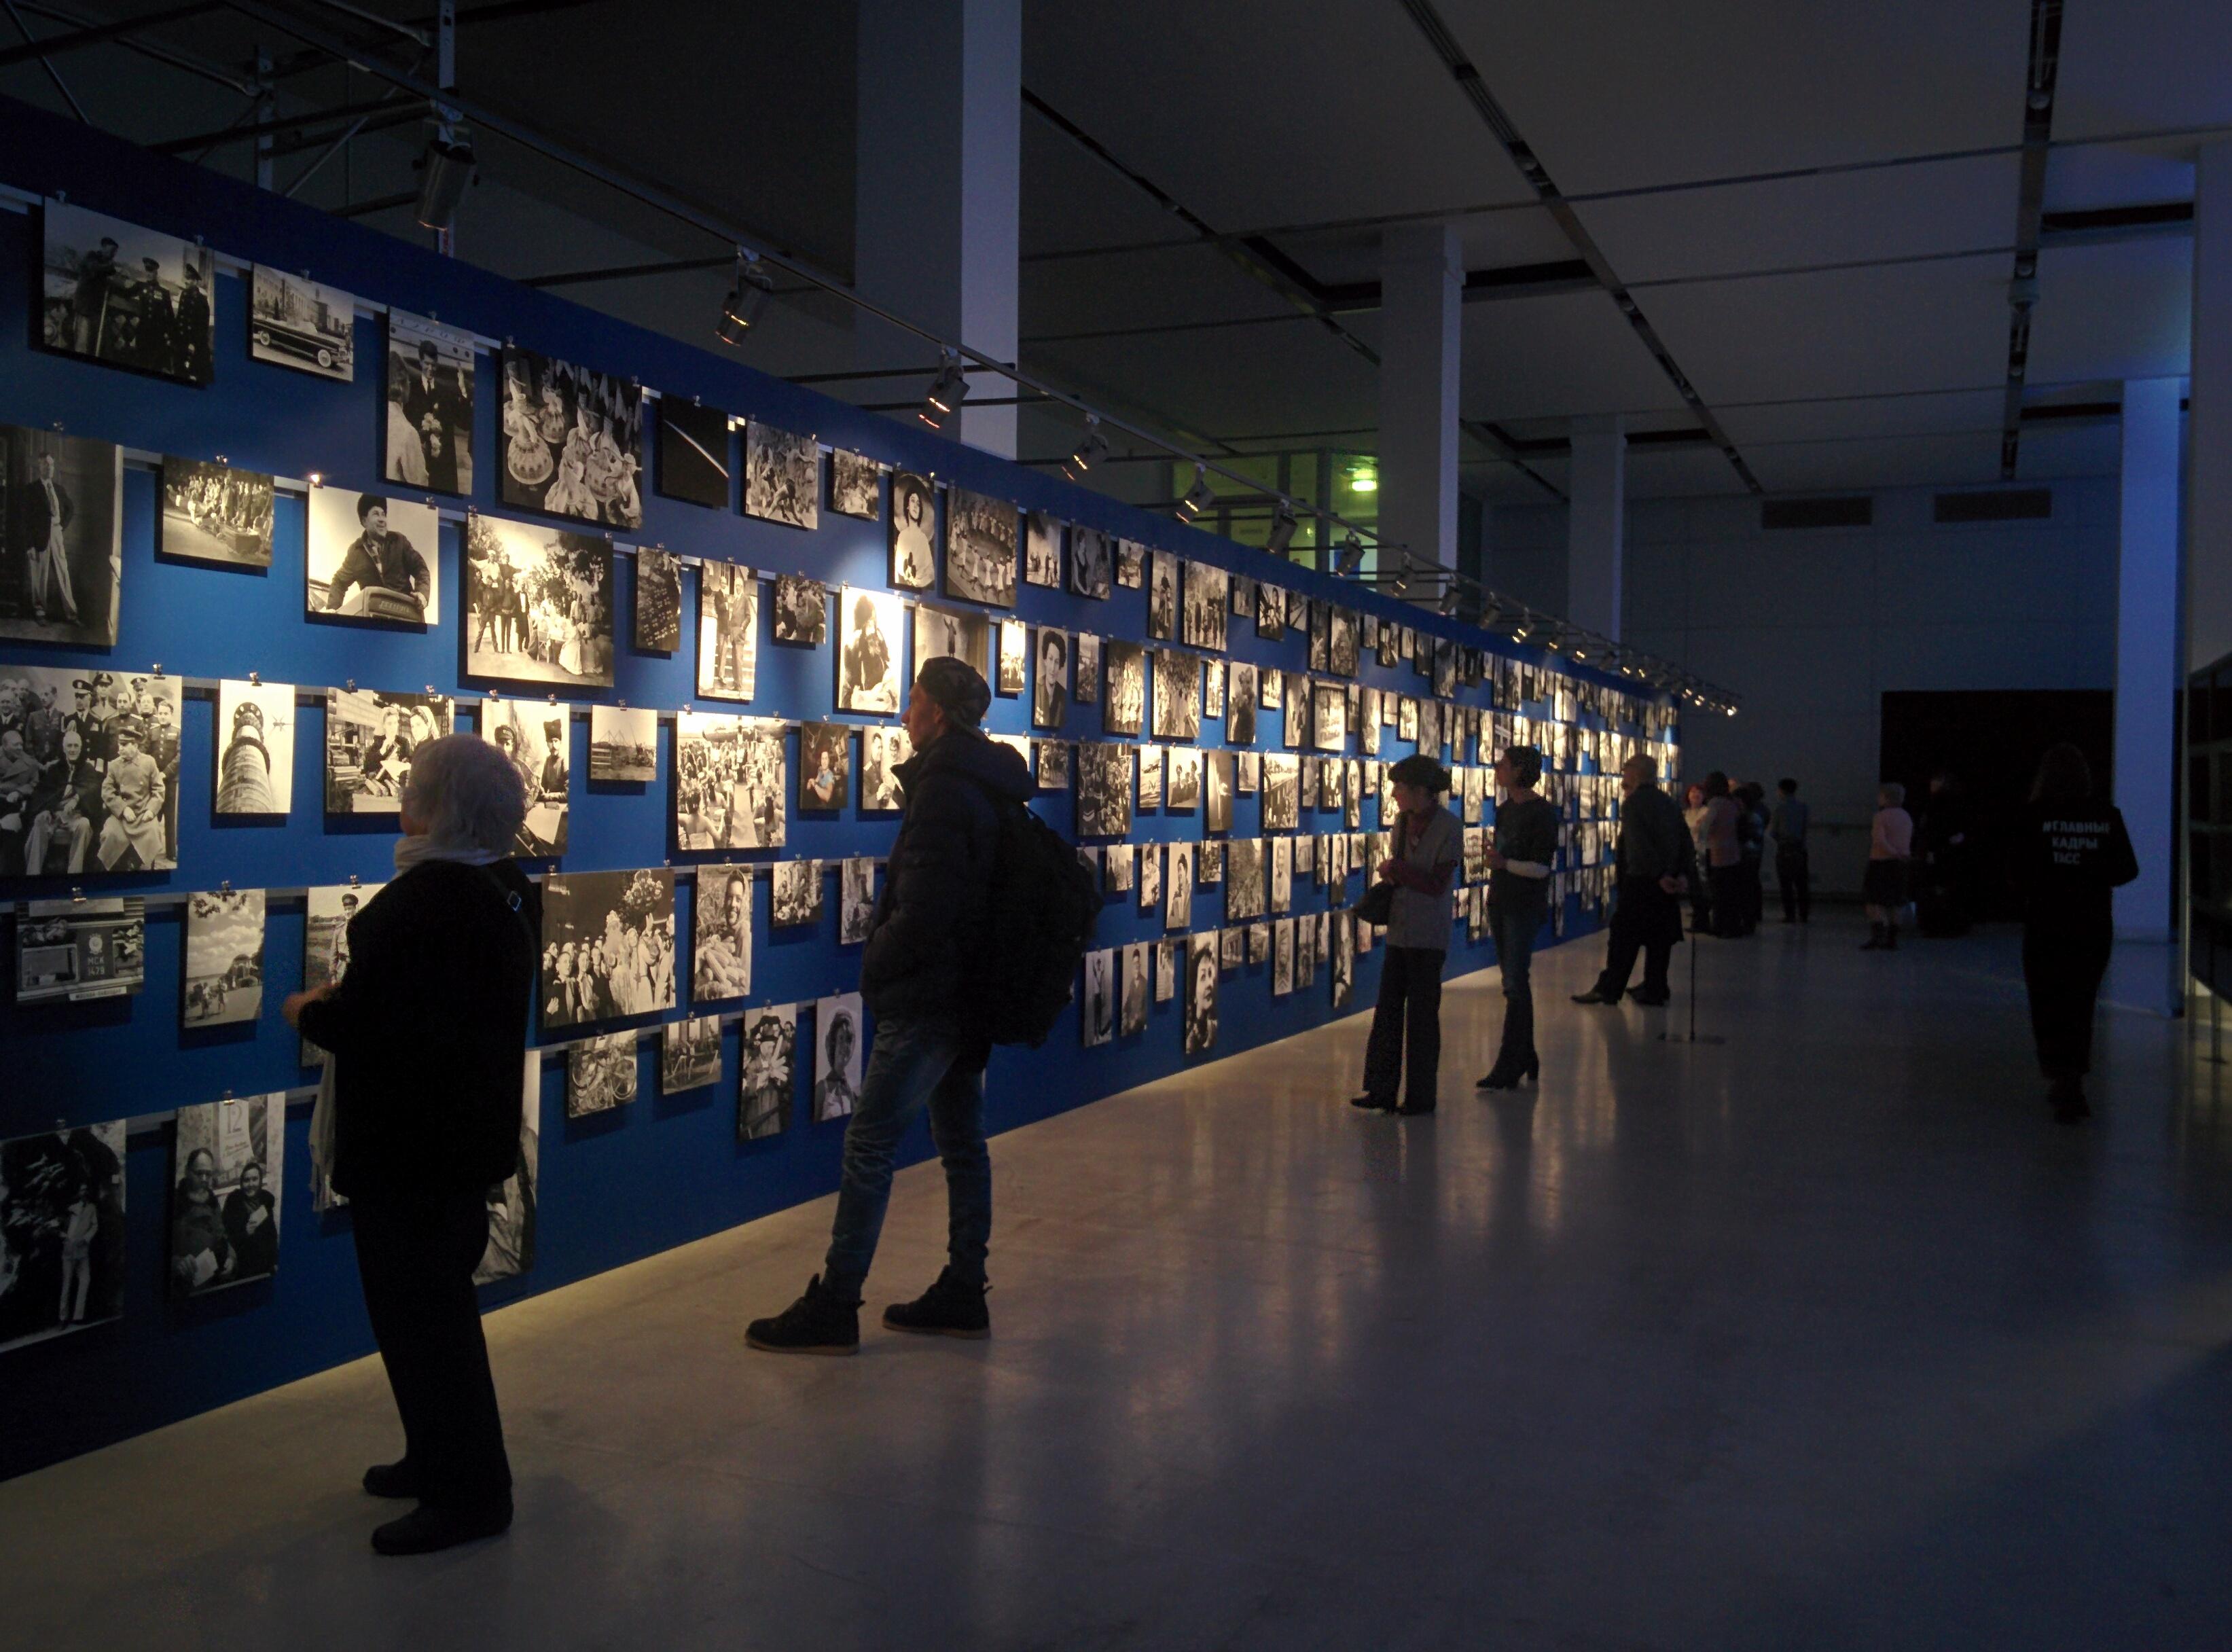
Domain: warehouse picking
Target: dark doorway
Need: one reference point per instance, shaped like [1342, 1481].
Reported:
[1990, 741]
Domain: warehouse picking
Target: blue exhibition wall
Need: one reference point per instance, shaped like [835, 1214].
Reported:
[615, 1186]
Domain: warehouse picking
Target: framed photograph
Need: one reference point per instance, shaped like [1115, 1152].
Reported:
[372, 557]
[657, 600]
[1178, 905]
[1130, 564]
[689, 1054]
[1206, 589]
[1012, 655]
[66, 1239]
[838, 1045]
[537, 738]
[212, 513]
[601, 1074]
[728, 632]
[1259, 942]
[1329, 717]
[1295, 720]
[1270, 611]
[825, 765]
[1097, 1004]
[1321, 627]
[1133, 992]
[1185, 779]
[113, 292]
[369, 740]
[623, 745]
[511, 1249]
[1244, 596]
[572, 441]
[431, 381]
[607, 946]
[256, 748]
[1053, 765]
[327, 910]
[1216, 791]
[945, 631]
[782, 472]
[868, 662]
[856, 905]
[74, 951]
[1124, 701]
[1243, 879]
[1232, 946]
[1178, 694]
[1117, 867]
[59, 500]
[1281, 895]
[855, 485]
[1282, 957]
[1282, 792]
[729, 777]
[224, 982]
[1041, 550]
[1162, 596]
[1240, 705]
[883, 747]
[1341, 646]
[1248, 773]
[1152, 761]
[294, 321]
[1151, 876]
[797, 893]
[1088, 563]
[980, 548]
[767, 1052]
[538, 603]
[1389, 642]
[1202, 969]
[693, 452]
[1212, 693]
[914, 531]
[1270, 688]
[1104, 790]
[1050, 680]
[1169, 964]
[226, 1163]
[1085, 680]
[802, 611]
[720, 935]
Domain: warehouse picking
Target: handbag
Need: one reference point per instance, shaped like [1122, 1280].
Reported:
[1378, 905]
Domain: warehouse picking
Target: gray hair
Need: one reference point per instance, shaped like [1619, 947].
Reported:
[1893, 794]
[467, 791]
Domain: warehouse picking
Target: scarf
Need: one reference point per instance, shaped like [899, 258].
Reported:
[417, 851]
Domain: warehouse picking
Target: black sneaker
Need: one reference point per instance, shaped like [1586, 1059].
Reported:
[949, 1308]
[392, 1478]
[816, 1323]
[427, 1530]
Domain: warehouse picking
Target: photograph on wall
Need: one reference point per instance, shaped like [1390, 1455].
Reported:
[1321, 628]
[945, 631]
[1390, 644]
[1202, 964]
[914, 531]
[1041, 550]
[1329, 716]
[868, 660]
[767, 1057]
[1216, 791]
[1259, 944]
[430, 370]
[601, 1074]
[1270, 611]
[797, 895]
[1050, 682]
[538, 603]
[1232, 949]
[1085, 678]
[75, 950]
[327, 911]
[1342, 955]
[1053, 765]
[1243, 879]
[1270, 688]
[111, 291]
[980, 548]
[730, 781]
[510, 1249]
[572, 441]
[1240, 706]
[607, 946]
[1104, 790]
[61, 1232]
[825, 765]
[782, 472]
[372, 557]
[1151, 761]
[1177, 899]
[255, 747]
[1013, 659]
[1124, 704]
[1133, 993]
[88, 771]
[535, 738]
[1088, 563]
[623, 745]
[1282, 957]
[883, 748]
[693, 453]
[857, 904]
[369, 740]
[1212, 693]
[1178, 694]
[1206, 589]
[1118, 868]
[294, 321]
[1282, 792]
[1097, 1006]
[1281, 897]
[227, 1178]
[1294, 717]
[689, 1054]
[223, 984]
[855, 485]
[728, 632]
[802, 611]
[720, 935]
[837, 1050]
[1151, 877]
[1162, 596]
[1242, 592]
[63, 522]
[657, 600]
[1247, 774]
[1169, 964]
[1184, 791]
[1341, 643]
[212, 513]
[1131, 563]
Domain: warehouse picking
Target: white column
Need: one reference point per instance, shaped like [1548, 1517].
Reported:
[1421, 316]
[935, 192]
[2208, 474]
[2147, 673]
[1596, 523]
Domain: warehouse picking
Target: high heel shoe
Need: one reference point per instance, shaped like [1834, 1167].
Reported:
[1503, 1078]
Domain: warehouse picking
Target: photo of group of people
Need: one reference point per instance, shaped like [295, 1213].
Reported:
[728, 775]
[111, 291]
[535, 737]
[61, 1232]
[227, 1164]
[212, 513]
[538, 603]
[1041, 550]
[883, 748]
[1104, 790]
[572, 441]
[855, 488]
[607, 946]
[802, 611]
[797, 893]
[825, 765]
[88, 771]
[430, 375]
[980, 548]
[369, 739]
[781, 470]
[601, 1073]
[62, 577]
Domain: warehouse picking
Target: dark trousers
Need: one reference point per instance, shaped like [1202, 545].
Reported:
[2062, 971]
[1647, 920]
[1515, 956]
[415, 1258]
[1796, 877]
[1728, 898]
[1407, 1028]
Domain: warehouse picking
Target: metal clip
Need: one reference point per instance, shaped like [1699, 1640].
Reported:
[351, 686]
[225, 888]
[355, 882]
[317, 478]
[220, 459]
[430, 691]
[77, 895]
[158, 669]
[624, 705]
[554, 698]
[228, 1098]
[255, 679]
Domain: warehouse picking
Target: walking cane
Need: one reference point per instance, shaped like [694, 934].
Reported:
[1693, 1036]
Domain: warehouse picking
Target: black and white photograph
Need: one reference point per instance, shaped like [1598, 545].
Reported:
[728, 632]
[111, 291]
[730, 781]
[1243, 592]
[1259, 944]
[856, 899]
[657, 600]
[1170, 965]
[607, 946]
[1151, 877]
[536, 737]
[212, 513]
[538, 603]
[1088, 563]
[802, 611]
[1342, 647]
[623, 745]
[227, 1178]
[1216, 791]
[1368, 724]
[1295, 718]
[693, 453]
[1178, 901]
[1050, 679]
[782, 473]
[1445, 667]
[1329, 716]
[1085, 679]
[855, 485]
[1240, 706]
[1014, 658]
[61, 1232]
[720, 935]
[1133, 992]
[1407, 719]
[601, 1074]
[1130, 564]
[1243, 879]
[326, 911]
[1270, 688]
[1208, 864]
[1282, 957]
[369, 740]
[81, 948]
[1124, 704]
[256, 748]
[294, 321]
[1104, 790]
[980, 548]
[797, 893]
[883, 747]
[1201, 962]
[1117, 868]
[838, 1047]
[1391, 643]
[224, 982]
[572, 441]
[914, 531]
[825, 765]
[767, 1055]
[689, 1054]
[1041, 550]
[1248, 773]
[1320, 636]
[1206, 589]
[1053, 765]
[1097, 1004]
[62, 521]
[1270, 611]
[374, 557]
[1152, 761]
[1212, 691]
[511, 1249]
[1178, 694]
[946, 631]
[1281, 897]
[1183, 793]
[1162, 596]
[430, 375]
[1342, 955]
[1232, 949]
[868, 655]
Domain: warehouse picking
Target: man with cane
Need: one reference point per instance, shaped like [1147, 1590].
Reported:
[1656, 861]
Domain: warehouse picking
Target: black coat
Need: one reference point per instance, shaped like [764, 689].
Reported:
[928, 927]
[428, 1031]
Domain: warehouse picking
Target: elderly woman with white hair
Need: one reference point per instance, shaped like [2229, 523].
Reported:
[428, 1035]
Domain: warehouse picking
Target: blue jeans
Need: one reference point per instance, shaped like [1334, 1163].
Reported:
[913, 1061]
[1515, 956]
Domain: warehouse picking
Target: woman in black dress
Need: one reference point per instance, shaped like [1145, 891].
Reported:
[1518, 901]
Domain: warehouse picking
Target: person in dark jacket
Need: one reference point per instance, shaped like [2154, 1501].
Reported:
[1657, 860]
[1426, 847]
[1519, 866]
[927, 939]
[1786, 826]
[2071, 850]
[428, 1036]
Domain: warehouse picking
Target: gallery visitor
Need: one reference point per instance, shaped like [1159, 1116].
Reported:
[1723, 855]
[1403, 1052]
[1701, 888]
[927, 941]
[2071, 850]
[1519, 862]
[1751, 849]
[419, 1118]
[1883, 886]
[1787, 828]
[1654, 861]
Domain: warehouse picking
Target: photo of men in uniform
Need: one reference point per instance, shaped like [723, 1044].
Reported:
[113, 292]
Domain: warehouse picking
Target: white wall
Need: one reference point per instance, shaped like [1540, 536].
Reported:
[1812, 626]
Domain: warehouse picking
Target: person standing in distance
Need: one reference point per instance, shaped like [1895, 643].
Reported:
[1406, 1022]
[924, 953]
[1519, 866]
[1655, 861]
[1883, 886]
[1786, 826]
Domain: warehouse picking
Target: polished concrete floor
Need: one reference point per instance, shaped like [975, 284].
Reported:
[1822, 1337]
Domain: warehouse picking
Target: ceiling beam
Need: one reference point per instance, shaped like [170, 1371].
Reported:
[100, 34]
[2045, 67]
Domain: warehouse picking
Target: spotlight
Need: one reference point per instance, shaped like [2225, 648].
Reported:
[947, 391]
[1199, 497]
[1091, 448]
[1283, 527]
[1450, 602]
[747, 300]
[1351, 554]
[1402, 575]
[444, 171]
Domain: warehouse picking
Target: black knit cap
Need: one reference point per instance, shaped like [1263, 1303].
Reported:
[955, 687]
[1423, 772]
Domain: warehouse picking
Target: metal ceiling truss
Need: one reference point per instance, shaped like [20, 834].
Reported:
[2030, 206]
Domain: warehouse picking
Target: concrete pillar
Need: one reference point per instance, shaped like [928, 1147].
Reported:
[1421, 316]
[935, 192]
[2147, 674]
[2208, 475]
[1596, 524]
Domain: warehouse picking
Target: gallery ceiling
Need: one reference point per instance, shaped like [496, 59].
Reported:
[1814, 209]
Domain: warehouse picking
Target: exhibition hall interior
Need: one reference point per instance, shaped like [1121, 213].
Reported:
[995, 824]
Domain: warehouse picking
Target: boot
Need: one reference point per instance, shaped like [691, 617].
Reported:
[950, 1308]
[818, 1323]
[393, 1478]
[428, 1530]
[1875, 942]
[2070, 1106]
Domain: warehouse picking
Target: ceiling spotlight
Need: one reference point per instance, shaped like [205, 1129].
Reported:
[1091, 448]
[947, 391]
[1519, 631]
[1283, 527]
[1364, 476]
[1199, 497]
[1450, 602]
[1351, 554]
[747, 300]
[444, 171]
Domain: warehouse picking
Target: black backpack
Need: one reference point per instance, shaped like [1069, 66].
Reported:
[1042, 910]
